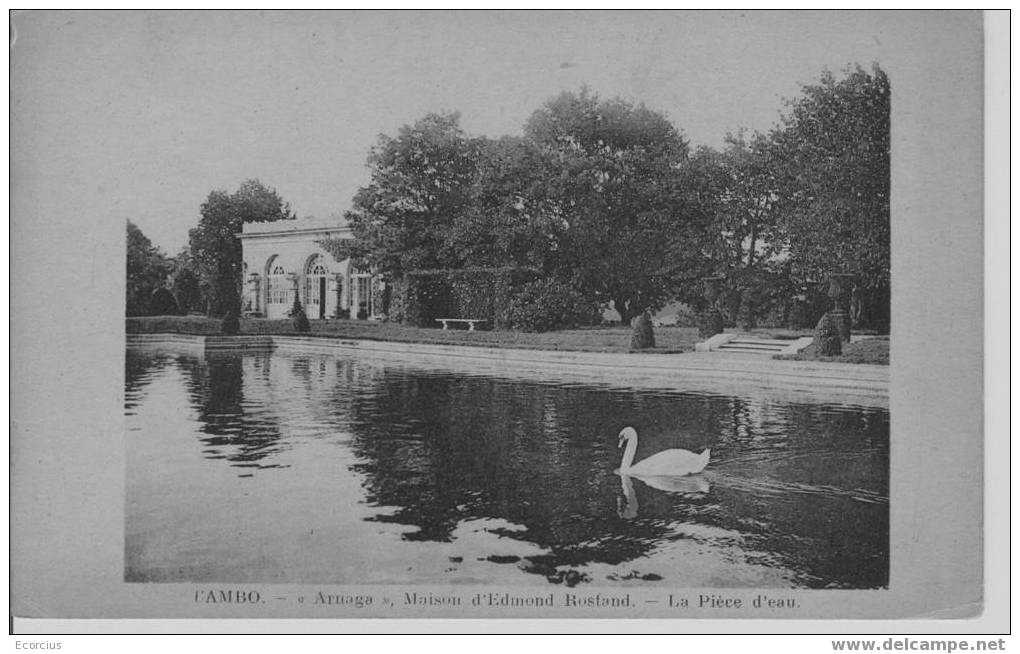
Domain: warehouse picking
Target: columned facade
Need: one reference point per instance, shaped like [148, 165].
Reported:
[284, 258]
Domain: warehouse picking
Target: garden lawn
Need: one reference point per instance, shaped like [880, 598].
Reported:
[596, 339]
[870, 350]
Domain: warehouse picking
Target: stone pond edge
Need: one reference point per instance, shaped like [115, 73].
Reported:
[862, 384]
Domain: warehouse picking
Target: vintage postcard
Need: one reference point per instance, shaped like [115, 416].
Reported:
[499, 314]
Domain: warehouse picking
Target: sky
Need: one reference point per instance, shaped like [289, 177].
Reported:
[140, 115]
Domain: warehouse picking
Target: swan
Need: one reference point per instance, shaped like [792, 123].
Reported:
[668, 463]
[687, 485]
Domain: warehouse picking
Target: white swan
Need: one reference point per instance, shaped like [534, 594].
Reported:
[687, 485]
[668, 463]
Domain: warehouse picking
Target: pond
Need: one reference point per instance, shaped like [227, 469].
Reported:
[292, 468]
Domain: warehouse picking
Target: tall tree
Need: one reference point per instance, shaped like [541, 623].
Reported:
[421, 183]
[582, 121]
[147, 268]
[216, 251]
[742, 196]
[832, 155]
[513, 218]
[625, 209]
[186, 284]
[737, 188]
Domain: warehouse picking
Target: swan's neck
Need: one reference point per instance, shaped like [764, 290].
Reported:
[628, 454]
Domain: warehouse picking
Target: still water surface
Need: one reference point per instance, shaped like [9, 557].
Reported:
[314, 469]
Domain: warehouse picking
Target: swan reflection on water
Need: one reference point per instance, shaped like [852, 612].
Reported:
[686, 485]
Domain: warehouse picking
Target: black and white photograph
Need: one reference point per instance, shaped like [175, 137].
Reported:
[500, 314]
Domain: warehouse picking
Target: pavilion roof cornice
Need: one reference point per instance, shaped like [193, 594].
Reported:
[313, 231]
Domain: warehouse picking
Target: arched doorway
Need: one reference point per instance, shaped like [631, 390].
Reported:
[316, 274]
[277, 289]
[361, 293]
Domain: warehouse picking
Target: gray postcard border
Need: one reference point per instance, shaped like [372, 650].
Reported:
[67, 392]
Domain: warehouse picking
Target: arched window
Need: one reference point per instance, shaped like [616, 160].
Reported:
[276, 280]
[316, 274]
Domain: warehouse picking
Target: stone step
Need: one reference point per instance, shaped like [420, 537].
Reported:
[772, 347]
[751, 344]
[781, 342]
[749, 350]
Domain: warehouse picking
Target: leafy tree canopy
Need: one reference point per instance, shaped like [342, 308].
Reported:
[605, 197]
[514, 218]
[214, 247]
[421, 183]
[831, 157]
[147, 268]
[583, 121]
[737, 186]
[592, 194]
[619, 197]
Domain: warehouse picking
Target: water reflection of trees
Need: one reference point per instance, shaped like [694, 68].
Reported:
[443, 449]
[438, 449]
[245, 434]
[139, 370]
[454, 448]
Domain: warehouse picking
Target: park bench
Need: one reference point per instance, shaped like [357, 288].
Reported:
[471, 322]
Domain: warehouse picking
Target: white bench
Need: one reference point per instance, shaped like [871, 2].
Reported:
[470, 321]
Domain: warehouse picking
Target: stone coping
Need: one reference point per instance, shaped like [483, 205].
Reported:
[205, 342]
[716, 373]
[296, 226]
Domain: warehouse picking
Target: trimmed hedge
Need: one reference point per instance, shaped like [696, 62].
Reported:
[506, 298]
[547, 304]
[422, 296]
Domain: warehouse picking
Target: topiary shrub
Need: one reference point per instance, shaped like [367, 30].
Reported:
[546, 304]
[828, 341]
[642, 337]
[231, 324]
[297, 313]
